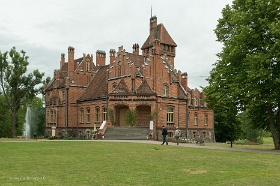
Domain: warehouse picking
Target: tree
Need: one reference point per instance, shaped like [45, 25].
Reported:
[248, 64]
[227, 127]
[5, 120]
[39, 116]
[17, 86]
[131, 117]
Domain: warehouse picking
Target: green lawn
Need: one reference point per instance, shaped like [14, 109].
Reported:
[113, 163]
[267, 145]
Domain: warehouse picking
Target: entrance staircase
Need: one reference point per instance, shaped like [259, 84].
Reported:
[126, 133]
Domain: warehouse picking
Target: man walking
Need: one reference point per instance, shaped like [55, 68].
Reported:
[164, 133]
[177, 135]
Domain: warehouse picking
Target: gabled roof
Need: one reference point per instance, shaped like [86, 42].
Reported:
[121, 88]
[144, 88]
[162, 35]
[98, 87]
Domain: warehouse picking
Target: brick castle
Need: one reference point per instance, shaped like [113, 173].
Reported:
[86, 97]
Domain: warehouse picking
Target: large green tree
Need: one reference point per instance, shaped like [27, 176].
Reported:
[17, 86]
[248, 64]
[5, 119]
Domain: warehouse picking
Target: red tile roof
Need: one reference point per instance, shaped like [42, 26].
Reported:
[161, 34]
[98, 87]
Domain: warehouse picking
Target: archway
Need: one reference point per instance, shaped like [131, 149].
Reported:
[120, 115]
[144, 112]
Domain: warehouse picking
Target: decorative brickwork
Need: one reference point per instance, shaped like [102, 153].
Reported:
[83, 92]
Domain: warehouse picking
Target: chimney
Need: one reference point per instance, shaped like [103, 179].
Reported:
[120, 48]
[112, 55]
[153, 25]
[184, 80]
[135, 49]
[100, 58]
[62, 60]
[71, 51]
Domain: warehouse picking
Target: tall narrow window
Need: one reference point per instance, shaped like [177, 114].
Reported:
[119, 68]
[87, 66]
[105, 115]
[195, 119]
[165, 90]
[88, 115]
[51, 118]
[206, 119]
[195, 102]
[97, 113]
[63, 95]
[82, 116]
[170, 115]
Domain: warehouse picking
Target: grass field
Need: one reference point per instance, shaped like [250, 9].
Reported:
[114, 163]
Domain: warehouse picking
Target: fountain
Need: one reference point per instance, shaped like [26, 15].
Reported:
[27, 125]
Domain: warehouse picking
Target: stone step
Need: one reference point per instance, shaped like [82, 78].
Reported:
[126, 133]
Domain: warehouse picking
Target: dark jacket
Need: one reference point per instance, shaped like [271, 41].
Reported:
[164, 131]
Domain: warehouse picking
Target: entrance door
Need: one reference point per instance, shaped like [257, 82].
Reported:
[122, 117]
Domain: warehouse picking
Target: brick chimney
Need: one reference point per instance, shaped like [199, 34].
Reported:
[62, 60]
[153, 25]
[135, 49]
[184, 80]
[112, 55]
[71, 51]
[100, 58]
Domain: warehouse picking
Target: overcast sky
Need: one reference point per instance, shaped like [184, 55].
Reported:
[45, 29]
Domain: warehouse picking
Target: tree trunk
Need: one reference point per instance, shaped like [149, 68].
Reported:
[14, 121]
[272, 127]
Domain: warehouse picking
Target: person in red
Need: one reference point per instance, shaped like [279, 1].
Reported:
[164, 134]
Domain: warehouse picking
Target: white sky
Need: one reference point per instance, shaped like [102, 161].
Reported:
[45, 29]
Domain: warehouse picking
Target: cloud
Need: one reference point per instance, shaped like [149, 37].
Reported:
[45, 29]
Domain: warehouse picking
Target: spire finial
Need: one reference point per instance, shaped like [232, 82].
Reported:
[151, 11]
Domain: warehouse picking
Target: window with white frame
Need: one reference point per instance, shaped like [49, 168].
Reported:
[170, 115]
[195, 102]
[97, 113]
[195, 119]
[105, 114]
[206, 119]
[165, 90]
[88, 115]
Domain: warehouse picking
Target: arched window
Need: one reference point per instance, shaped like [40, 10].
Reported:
[195, 119]
[97, 113]
[206, 119]
[87, 66]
